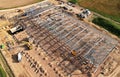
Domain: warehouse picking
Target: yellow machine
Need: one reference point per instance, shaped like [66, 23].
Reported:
[73, 53]
[19, 10]
[29, 45]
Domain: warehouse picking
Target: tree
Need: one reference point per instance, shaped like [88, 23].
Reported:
[118, 5]
[73, 1]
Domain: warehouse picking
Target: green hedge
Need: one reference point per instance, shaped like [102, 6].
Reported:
[110, 26]
[73, 1]
[2, 72]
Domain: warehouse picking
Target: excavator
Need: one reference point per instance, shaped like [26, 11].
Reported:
[28, 44]
[73, 53]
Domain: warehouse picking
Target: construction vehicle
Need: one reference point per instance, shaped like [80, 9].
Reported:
[84, 14]
[81, 16]
[73, 53]
[19, 10]
[28, 44]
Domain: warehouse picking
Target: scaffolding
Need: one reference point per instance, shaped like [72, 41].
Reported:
[58, 34]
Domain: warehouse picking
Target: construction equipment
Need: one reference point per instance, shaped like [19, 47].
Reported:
[73, 53]
[19, 10]
[28, 44]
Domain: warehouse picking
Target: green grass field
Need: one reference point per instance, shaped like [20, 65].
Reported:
[2, 72]
[108, 25]
[6, 67]
[107, 8]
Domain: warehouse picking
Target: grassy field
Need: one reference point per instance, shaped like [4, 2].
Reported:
[2, 72]
[107, 8]
[6, 66]
[6, 4]
[108, 25]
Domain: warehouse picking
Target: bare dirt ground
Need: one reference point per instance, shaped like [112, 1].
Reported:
[111, 67]
[16, 3]
[23, 69]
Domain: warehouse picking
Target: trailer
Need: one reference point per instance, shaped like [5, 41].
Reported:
[16, 29]
[19, 56]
